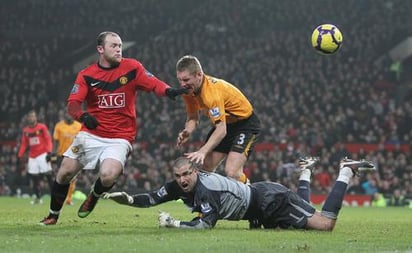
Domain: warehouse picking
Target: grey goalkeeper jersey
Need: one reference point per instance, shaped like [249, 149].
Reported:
[214, 196]
[218, 197]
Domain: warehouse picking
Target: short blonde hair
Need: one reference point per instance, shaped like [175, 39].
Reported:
[189, 63]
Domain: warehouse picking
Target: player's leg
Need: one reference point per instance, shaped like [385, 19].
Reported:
[326, 220]
[213, 160]
[69, 168]
[242, 136]
[241, 147]
[113, 158]
[35, 184]
[49, 179]
[45, 172]
[75, 158]
[110, 169]
[306, 165]
[72, 187]
[234, 166]
[34, 172]
[236, 146]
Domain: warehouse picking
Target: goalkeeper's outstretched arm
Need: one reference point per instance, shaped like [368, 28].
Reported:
[170, 191]
[137, 200]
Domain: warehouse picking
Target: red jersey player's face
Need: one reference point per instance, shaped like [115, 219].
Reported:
[186, 177]
[32, 119]
[111, 52]
[190, 80]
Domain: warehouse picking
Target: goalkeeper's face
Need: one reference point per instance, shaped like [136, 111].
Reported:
[186, 177]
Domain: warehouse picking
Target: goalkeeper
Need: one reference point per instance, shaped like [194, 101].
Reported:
[266, 204]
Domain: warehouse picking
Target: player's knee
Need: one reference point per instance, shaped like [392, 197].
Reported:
[233, 173]
[108, 177]
[64, 177]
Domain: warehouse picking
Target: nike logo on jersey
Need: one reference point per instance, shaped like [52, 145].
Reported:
[94, 84]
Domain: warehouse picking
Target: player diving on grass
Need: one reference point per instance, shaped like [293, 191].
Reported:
[266, 204]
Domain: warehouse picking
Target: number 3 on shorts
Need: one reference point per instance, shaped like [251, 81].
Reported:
[241, 139]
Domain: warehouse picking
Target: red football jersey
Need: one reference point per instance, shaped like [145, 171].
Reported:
[110, 95]
[38, 140]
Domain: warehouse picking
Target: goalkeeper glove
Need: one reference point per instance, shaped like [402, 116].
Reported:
[89, 120]
[167, 221]
[173, 92]
[119, 197]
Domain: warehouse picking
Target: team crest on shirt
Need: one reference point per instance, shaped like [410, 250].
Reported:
[123, 80]
[75, 149]
[162, 192]
[75, 89]
[148, 74]
[214, 112]
[205, 208]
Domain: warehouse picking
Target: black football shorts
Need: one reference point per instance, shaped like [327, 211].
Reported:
[240, 136]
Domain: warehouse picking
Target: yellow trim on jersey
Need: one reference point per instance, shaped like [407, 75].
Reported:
[220, 101]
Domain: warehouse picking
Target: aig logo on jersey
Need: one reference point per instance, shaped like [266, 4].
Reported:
[214, 112]
[114, 100]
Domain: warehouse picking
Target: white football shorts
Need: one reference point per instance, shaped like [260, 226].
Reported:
[39, 165]
[88, 149]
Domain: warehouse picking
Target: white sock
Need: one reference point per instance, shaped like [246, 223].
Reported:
[305, 175]
[345, 174]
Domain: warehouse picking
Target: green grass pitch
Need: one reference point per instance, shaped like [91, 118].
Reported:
[115, 228]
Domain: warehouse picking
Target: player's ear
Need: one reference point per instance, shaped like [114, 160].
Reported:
[199, 74]
[100, 49]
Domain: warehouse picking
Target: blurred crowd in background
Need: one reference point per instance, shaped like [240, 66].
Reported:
[309, 104]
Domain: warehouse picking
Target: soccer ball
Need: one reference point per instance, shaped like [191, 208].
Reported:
[327, 39]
